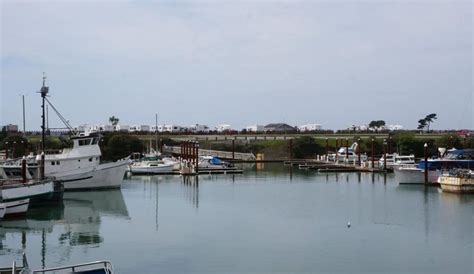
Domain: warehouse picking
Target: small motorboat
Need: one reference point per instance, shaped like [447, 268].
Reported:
[457, 181]
[14, 208]
[3, 209]
[151, 167]
[96, 267]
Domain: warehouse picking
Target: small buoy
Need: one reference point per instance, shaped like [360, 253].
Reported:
[348, 224]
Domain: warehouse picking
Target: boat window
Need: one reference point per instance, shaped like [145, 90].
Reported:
[95, 141]
[85, 142]
[97, 158]
[57, 162]
[53, 163]
[90, 159]
[79, 160]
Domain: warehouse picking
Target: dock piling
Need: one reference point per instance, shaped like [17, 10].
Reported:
[425, 150]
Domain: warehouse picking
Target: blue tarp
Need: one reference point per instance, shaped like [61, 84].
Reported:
[216, 161]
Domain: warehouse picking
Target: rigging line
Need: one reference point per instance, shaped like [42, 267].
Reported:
[65, 122]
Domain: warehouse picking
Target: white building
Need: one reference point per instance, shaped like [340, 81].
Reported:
[172, 128]
[197, 128]
[309, 127]
[134, 128]
[223, 128]
[108, 128]
[122, 128]
[394, 127]
[255, 128]
[159, 128]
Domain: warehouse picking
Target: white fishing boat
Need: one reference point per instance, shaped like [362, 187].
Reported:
[78, 167]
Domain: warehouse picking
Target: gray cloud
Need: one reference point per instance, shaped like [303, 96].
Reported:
[335, 63]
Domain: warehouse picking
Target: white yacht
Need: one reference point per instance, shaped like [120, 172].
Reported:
[395, 159]
[151, 167]
[348, 155]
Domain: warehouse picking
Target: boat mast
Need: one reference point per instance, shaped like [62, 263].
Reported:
[24, 126]
[156, 132]
[44, 92]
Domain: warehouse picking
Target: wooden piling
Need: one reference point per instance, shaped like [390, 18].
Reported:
[425, 150]
[23, 169]
[358, 152]
[373, 153]
[233, 149]
[42, 166]
[327, 148]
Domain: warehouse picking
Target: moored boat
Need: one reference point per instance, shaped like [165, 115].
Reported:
[15, 208]
[151, 167]
[457, 181]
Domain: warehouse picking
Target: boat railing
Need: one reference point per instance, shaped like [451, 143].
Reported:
[107, 267]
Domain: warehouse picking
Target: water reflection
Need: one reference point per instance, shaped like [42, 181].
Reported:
[74, 222]
[191, 189]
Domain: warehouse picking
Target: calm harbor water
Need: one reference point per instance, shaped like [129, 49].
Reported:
[271, 220]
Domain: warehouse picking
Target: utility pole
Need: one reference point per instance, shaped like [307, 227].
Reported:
[24, 123]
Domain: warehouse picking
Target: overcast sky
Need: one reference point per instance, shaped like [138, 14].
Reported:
[329, 62]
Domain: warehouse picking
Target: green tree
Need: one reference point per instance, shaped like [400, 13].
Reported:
[422, 124]
[306, 147]
[377, 124]
[114, 120]
[16, 145]
[120, 146]
[430, 119]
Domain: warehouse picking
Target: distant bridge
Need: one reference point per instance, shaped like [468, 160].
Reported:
[215, 153]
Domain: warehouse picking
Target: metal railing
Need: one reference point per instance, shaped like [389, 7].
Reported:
[107, 267]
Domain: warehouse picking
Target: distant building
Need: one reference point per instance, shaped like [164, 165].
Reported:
[279, 127]
[309, 127]
[394, 127]
[172, 128]
[159, 128]
[145, 128]
[197, 128]
[10, 128]
[122, 128]
[255, 128]
[223, 128]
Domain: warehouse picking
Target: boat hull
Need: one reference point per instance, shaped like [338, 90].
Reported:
[162, 169]
[16, 208]
[3, 209]
[415, 175]
[103, 176]
[38, 192]
[456, 184]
